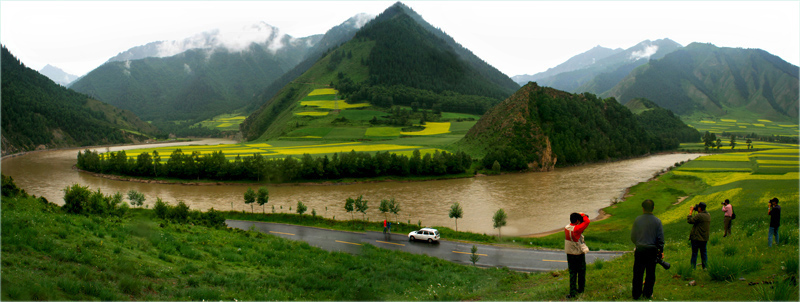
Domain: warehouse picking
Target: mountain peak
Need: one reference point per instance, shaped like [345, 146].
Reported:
[57, 75]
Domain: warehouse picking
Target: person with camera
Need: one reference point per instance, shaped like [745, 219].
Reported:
[728, 210]
[701, 228]
[774, 220]
[576, 252]
[647, 234]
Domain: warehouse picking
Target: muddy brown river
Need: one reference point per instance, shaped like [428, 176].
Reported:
[534, 202]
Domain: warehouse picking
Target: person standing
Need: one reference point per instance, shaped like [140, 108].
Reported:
[701, 228]
[774, 220]
[576, 255]
[647, 234]
[728, 210]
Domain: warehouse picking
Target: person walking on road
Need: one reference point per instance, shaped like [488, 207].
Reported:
[774, 221]
[728, 210]
[701, 229]
[647, 234]
[576, 252]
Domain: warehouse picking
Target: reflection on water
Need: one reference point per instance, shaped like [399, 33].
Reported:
[534, 202]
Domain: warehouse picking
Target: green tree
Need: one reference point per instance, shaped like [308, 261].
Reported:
[349, 206]
[749, 143]
[384, 207]
[474, 257]
[709, 140]
[301, 208]
[262, 197]
[456, 212]
[733, 141]
[496, 167]
[75, 198]
[719, 143]
[362, 205]
[250, 198]
[137, 198]
[499, 220]
[394, 207]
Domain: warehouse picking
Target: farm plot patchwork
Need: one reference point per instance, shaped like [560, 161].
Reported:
[759, 126]
[775, 161]
[224, 122]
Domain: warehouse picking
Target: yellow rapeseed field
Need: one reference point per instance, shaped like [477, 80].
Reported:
[312, 113]
[431, 128]
[340, 104]
[727, 120]
[726, 157]
[322, 91]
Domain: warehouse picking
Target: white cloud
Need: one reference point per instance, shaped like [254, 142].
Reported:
[648, 51]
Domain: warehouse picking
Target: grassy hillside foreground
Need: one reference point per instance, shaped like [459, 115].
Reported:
[49, 255]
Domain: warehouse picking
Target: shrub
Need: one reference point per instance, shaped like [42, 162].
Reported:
[179, 213]
[160, 209]
[684, 270]
[75, 198]
[730, 250]
[792, 266]
[723, 269]
[598, 264]
[130, 286]
[779, 291]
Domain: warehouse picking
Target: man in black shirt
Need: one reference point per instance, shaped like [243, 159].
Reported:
[774, 220]
[648, 236]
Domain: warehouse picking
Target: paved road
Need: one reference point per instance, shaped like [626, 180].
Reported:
[491, 256]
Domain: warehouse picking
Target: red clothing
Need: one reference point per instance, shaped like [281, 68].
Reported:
[384, 223]
[578, 230]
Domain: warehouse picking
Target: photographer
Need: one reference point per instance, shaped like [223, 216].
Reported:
[647, 234]
[728, 210]
[774, 220]
[576, 255]
[701, 227]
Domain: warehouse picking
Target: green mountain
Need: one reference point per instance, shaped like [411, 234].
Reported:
[661, 122]
[195, 84]
[539, 127]
[608, 70]
[38, 113]
[717, 81]
[393, 60]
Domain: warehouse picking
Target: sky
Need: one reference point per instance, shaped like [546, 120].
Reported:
[516, 37]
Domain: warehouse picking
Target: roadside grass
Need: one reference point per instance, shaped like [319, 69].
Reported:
[139, 257]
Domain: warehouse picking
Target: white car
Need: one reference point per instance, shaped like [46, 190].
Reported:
[426, 234]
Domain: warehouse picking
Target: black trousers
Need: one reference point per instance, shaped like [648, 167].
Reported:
[644, 262]
[577, 273]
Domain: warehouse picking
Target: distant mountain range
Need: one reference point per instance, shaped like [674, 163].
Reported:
[717, 81]
[57, 75]
[37, 113]
[599, 69]
[395, 59]
[202, 76]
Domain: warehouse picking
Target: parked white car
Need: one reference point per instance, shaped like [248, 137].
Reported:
[426, 234]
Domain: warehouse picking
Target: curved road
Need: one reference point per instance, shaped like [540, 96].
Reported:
[518, 259]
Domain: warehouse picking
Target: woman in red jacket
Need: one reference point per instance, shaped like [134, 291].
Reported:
[576, 252]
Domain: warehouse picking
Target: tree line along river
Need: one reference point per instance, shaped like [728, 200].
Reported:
[534, 202]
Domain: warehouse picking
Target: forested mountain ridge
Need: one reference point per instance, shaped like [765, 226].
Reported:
[193, 85]
[333, 38]
[538, 128]
[703, 78]
[606, 72]
[38, 113]
[392, 60]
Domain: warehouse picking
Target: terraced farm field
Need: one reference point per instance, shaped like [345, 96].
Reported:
[760, 126]
[225, 122]
[778, 159]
